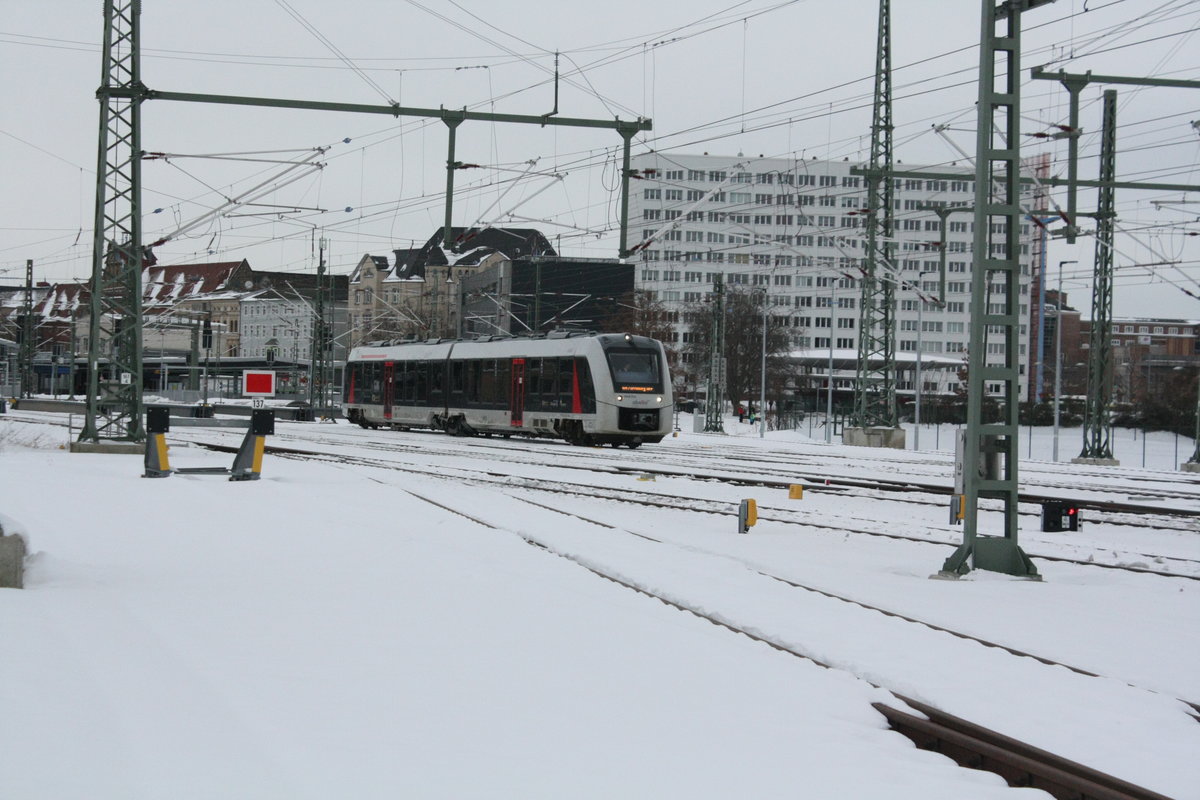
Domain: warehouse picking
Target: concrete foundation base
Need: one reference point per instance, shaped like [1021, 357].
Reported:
[1190, 466]
[1097, 462]
[119, 448]
[12, 561]
[874, 437]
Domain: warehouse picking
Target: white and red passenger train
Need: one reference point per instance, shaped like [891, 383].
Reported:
[586, 388]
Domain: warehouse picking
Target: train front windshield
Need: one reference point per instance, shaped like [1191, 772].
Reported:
[635, 370]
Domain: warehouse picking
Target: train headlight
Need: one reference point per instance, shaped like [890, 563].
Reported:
[620, 397]
[658, 399]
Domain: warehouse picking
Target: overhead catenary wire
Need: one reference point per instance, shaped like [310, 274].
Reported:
[363, 205]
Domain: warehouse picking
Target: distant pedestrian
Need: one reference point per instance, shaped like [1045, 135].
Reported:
[741, 414]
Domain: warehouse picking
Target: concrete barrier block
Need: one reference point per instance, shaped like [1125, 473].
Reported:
[874, 437]
[12, 561]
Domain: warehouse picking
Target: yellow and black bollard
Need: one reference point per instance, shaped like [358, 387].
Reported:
[747, 516]
[247, 465]
[958, 508]
[158, 422]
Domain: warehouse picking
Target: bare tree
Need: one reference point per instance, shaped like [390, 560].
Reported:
[744, 316]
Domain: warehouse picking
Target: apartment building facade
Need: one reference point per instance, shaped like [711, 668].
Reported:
[797, 229]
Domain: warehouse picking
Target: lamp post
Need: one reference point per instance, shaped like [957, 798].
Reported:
[762, 385]
[917, 377]
[1145, 406]
[1195, 459]
[1058, 352]
[829, 393]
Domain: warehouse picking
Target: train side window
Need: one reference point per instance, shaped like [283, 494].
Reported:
[566, 382]
[420, 382]
[503, 383]
[550, 384]
[374, 379]
[475, 381]
[458, 377]
[550, 388]
[487, 382]
[437, 381]
[587, 389]
[404, 378]
[533, 384]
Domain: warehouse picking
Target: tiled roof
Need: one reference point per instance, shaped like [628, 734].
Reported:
[471, 246]
[167, 285]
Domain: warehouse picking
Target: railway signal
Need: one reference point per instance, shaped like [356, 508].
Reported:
[1059, 515]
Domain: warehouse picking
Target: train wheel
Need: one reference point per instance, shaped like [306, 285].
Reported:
[635, 444]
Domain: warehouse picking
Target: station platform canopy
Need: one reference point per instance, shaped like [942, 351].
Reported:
[846, 360]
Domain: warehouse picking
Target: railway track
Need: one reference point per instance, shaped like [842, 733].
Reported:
[968, 744]
[737, 475]
[693, 504]
[857, 603]
[918, 494]
[791, 471]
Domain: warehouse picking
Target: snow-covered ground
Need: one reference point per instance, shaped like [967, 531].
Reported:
[328, 631]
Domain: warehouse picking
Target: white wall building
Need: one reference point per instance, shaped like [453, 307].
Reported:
[796, 228]
[284, 323]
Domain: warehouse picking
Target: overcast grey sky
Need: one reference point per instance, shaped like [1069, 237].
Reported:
[763, 76]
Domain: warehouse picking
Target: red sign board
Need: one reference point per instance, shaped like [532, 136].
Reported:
[258, 383]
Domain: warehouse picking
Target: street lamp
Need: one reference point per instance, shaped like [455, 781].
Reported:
[1058, 353]
[762, 385]
[917, 377]
[829, 393]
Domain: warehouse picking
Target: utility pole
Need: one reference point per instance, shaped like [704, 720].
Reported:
[114, 401]
[434, 331]
[206, 343]
[875, 382]
[918, 378]
[194, 358]
[829, 394]
[318, 354]
[1195, 459]
[715, 404]
[989, 465]
[28, 342]
[71, 368]
[762, 384]
[1097, 427]
[1058, 322]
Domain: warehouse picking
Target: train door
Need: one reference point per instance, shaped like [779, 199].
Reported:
[389, 388]
[516, 395]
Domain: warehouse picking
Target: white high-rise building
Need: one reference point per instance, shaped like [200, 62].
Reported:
[797, 228]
